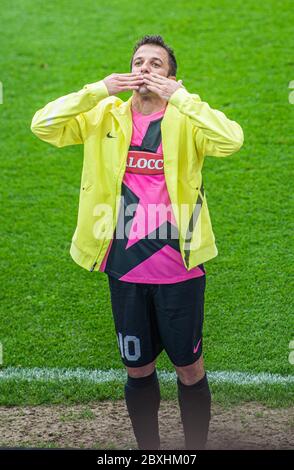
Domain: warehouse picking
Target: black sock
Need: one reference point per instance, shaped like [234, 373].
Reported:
[142, 396]
[195, 404]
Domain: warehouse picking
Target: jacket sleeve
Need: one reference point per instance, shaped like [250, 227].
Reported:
[62, 121]
[214, 133]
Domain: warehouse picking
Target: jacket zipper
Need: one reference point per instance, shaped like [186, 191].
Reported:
[92, 268]
[95, 262]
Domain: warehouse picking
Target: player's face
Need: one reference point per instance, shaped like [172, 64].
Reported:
[149, 58]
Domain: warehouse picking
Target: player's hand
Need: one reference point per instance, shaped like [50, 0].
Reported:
[118, 82]
[162, 86]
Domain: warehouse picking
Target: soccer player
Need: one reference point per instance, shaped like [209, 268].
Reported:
[143, 220]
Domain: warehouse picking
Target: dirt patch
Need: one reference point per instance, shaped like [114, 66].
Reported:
[106, 425]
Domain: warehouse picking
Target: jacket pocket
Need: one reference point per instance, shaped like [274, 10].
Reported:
[194, 181]
[87, 185]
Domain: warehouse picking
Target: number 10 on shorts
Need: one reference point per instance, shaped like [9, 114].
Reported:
[129, 346]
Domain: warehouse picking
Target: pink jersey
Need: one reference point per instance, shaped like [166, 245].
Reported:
[145, 246]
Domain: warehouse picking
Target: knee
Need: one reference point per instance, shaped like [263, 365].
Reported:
[192, 373]
[143, 371]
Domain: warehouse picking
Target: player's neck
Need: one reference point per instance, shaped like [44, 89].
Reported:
[147, 104]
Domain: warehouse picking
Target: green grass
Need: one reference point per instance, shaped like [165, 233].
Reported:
[69, 392]
[238, 56]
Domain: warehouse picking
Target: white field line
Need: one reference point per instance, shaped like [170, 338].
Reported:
[104, 376]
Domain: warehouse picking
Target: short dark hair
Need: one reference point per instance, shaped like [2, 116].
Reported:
[157, 41]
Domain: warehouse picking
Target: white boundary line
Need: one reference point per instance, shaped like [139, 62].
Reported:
[104, 376]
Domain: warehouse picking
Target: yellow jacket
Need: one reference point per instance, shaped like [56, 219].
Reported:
[190, 130]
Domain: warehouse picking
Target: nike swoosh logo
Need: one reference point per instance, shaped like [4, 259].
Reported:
[197, 347]
[110, 136]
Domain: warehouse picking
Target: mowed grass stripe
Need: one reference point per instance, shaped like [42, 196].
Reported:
[104, 376]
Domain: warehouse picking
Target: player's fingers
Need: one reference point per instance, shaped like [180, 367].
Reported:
[128, 76]
[126, 85]
[155, 89]
[129, 79]
[129, 87]
[153, 79]
[158, 77]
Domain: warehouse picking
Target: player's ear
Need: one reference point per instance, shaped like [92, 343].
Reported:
[172, 77]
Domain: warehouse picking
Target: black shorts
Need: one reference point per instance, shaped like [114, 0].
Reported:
[151, 317]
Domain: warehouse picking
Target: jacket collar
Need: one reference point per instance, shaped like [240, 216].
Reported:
[122, 112]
